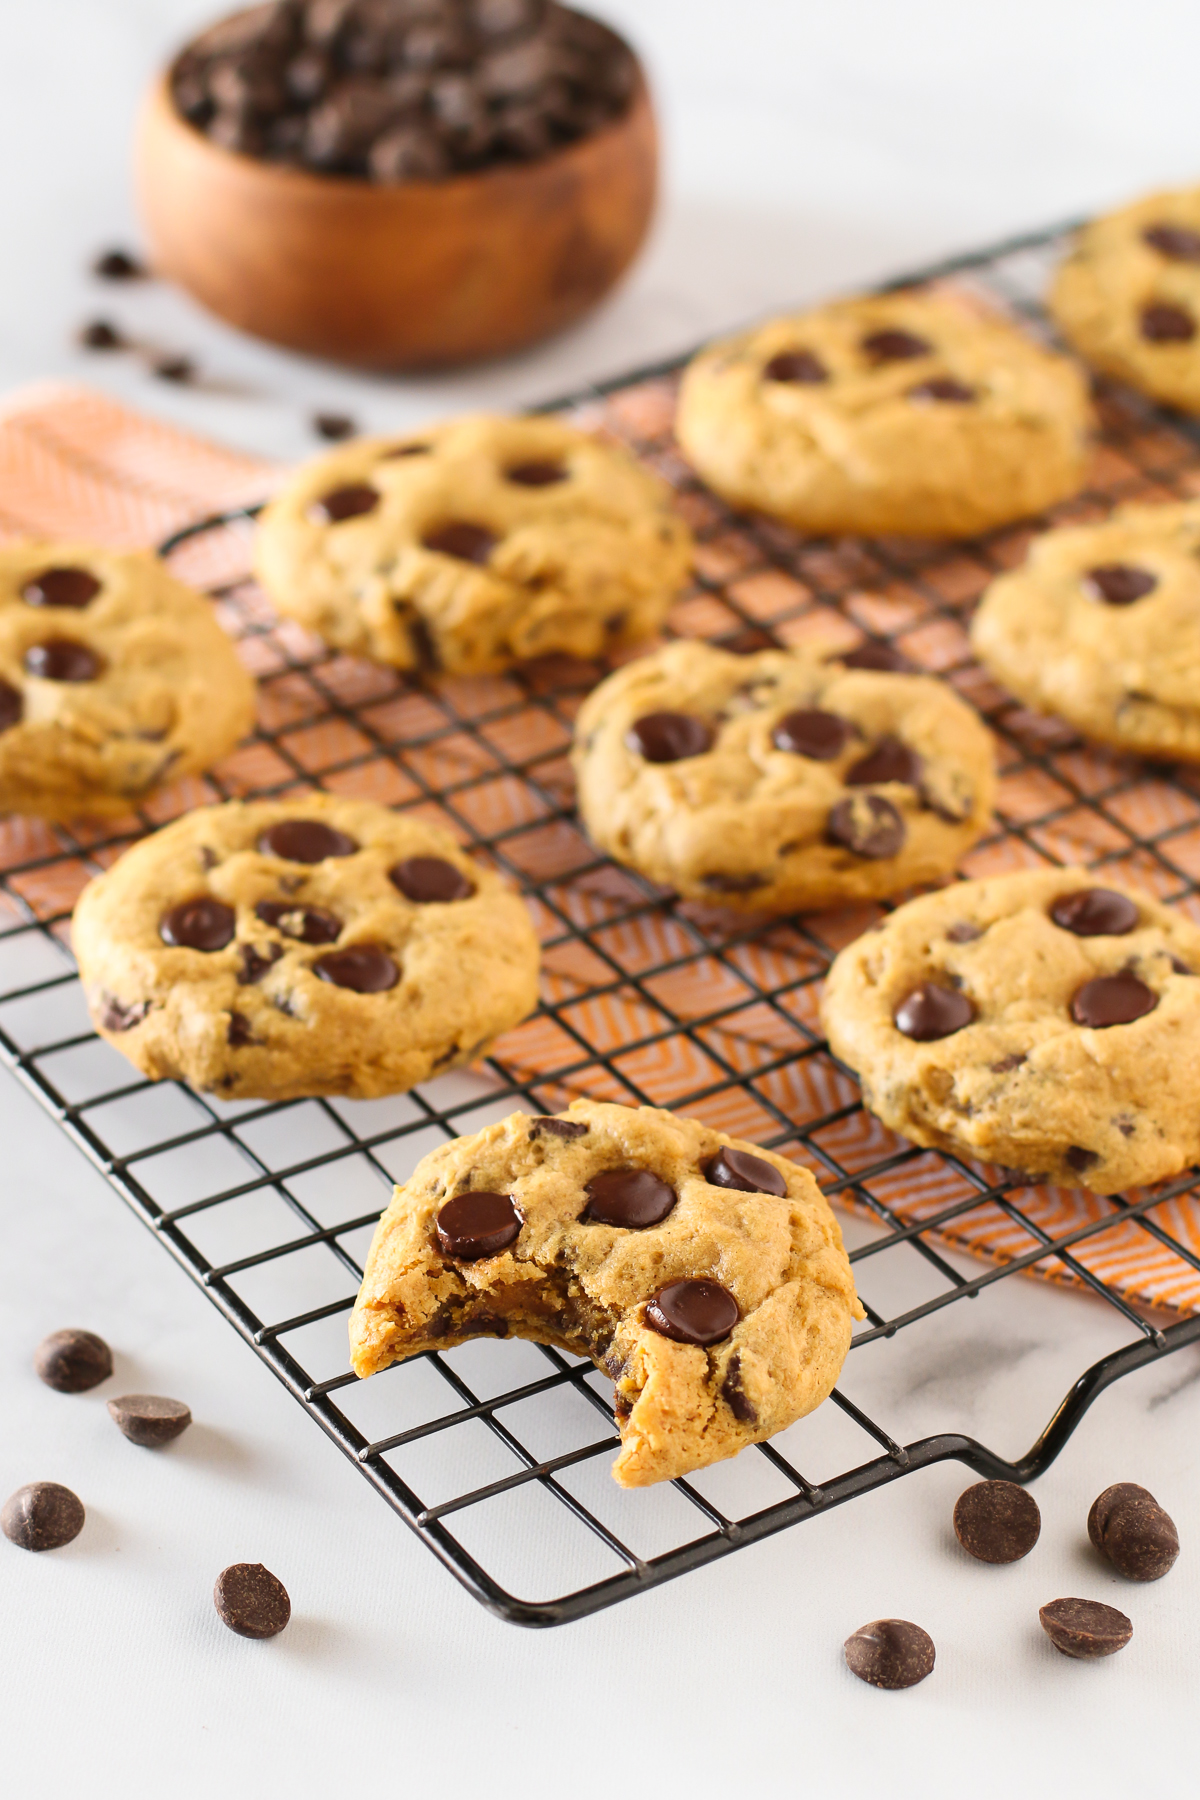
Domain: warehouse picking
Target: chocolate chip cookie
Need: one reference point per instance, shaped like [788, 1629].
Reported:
[918, 413]
[318, 946]
[114, 677]
[1047, 1021]
[774, 782]
[705, 1276]
[474, 545]
[1128, 296]
[1101, 625]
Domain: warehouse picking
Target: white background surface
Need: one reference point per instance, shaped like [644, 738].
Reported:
[808, 147]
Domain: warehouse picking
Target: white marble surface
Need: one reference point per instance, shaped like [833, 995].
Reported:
[808, 148]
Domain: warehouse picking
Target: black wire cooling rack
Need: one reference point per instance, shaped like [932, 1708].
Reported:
[495, 1448]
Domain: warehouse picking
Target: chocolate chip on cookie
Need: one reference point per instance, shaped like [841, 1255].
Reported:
[893, 346]
[1163, 323]
[942, 389]
[1095, 912]
[462, 539]
[537, 474]
[76, 588]
[1178, 243]
[932, 1011]
[476, 1225]
[1119, 584]
[429, 880]
[667, 737]
[354, 501]
[558, 1128]
[888, 760]
[693, 1312]
[798, 366]
[63, 659]
[732, 1168]
[305, 841]
[200, 924]
[868, 825]
[308, 924]
[363, 968]
[810, 732]
[1112, 1000]
[631, 1198]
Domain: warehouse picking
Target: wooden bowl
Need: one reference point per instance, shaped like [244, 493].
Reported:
[411, 275]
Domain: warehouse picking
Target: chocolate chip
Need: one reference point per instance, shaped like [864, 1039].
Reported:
[11, 706]
[1119, 584]
[304, 841]
[42, 1516]
[1008, 1063]
[1085, 1628]
[1095, 912]
[810, 732]
[559, 1128]
[1130, 1528]
[73, 1361]
[101, 334]
[200, 924]
[1080, 1160]
[666, 737]
[399, 451]
[334, 426]
[62, 659]
[631, 1198]
[463, 540]
[724, 882]
[693, 1312]
[536, 474]
[349, 502]
[256, 962]
[890, 1653]
[239, 1032]
[997, 1521]
[1176, 242]
[747, 1174]
[412, 152]
[427, 880]
[1180, 967]
[1162, 323]
[118, 265]
[121, 1015]
[150, 1419]
[251, 1601]
[363, 968]
[477, 1224]
[309, 924]
[942, 388]
[796, 365]
[180, 369]
[868, 825]
[889, 760]
[932, 1011]
[734, 1394]
[873, 655]
[1112, 1000]
[894, 346]
[964, 932]
[61, 587]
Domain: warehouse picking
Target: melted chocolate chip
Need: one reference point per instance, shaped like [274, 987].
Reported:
[1162, 323]
[61, 587]
[932, 1011]
[559, 1128]
[890, 1653]
[942, 388]
[310, 924]
[200, 924]
[536, 474]
[666, 737]
[401, 450]
[734, 1394]
[747, 1174]
[868, 825]
[1119, 584]
[11, 706]
[894, 346]
[350, 502]
[239, 1032]
[1079, 1160]
[427, 880]
[964, 933]
[1112, 1000]
[1085, 1628]
[304, 841]
[798, 366]
[119, 1015]
[256, 962]
[1095, 912]
[693, 1312]
[1007, 1064]
[997, 1521]
[1180, 967]
[873, 655]
[462, 540]
[62, 659]
[630, 1198]
[889, 760]
[363, 968]
[810, 732]
[477, 1224]
[1176, 242]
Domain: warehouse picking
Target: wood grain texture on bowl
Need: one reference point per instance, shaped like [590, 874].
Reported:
[411, 275]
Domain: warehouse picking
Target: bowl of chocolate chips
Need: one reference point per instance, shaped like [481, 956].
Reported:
[399, 183]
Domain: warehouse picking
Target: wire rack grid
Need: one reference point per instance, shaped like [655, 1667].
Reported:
[270, 1206]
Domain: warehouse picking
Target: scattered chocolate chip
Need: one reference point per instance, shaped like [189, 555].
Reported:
[997, 1521]
[150, 1419]
[1130, 1528]
[11, 706]
[874, 655]
[536, 474]
[62, 659]
[1176, 242]
[251, 1601]
[1162, 323]
[1085, 1628]
[868, 825]
[42, 1516]
[363, 968]
[465, 541]
[256, 962]
[200, 924]
[810, 732]
[693, 1312]
[942, 389]
[304, 841]
[101, 334]
[477, 1224]
[894, 346]
[964, 932]
[120, 1015]
[180, 369]
[666, 737]
[559, 1128]
[73, 1361]
[1119, 584]
[734, 1394]
[350, 502]
[308, 924]
[796, 366]
[1112, 1000]
[747, 1174]
[889, 760]
[429, 880]
[334, 426]
[932, 1011]
[890, 1653]
[119, 265]
[630, 1198]
[61, 587]
[1095, 912]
